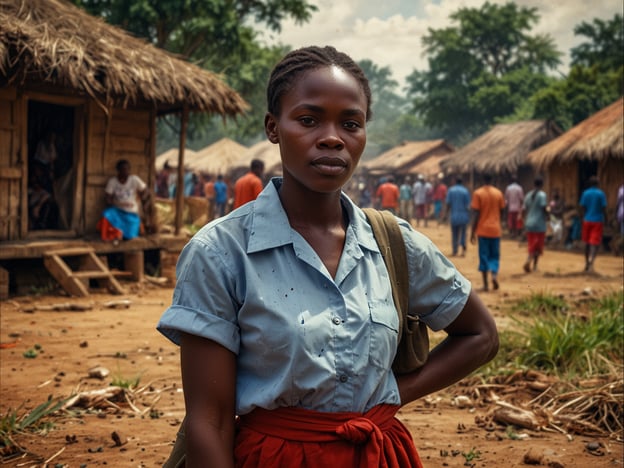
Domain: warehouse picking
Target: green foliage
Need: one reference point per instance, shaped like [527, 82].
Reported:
[471, 455]
[551, 335]
[130, 383]
[36, 420]
[572, 344]
[540, 303]
[595, 80]
[216, 35]
[604, 45]
[480, 70]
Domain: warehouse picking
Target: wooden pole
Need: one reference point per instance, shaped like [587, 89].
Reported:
[180, 183]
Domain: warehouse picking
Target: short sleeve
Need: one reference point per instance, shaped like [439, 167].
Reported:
[438, 291]
[110, 186]
[203, 300]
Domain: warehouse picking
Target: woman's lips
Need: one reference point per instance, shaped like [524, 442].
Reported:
[329, 166]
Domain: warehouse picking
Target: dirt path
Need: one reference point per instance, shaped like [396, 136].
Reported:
[124, 341]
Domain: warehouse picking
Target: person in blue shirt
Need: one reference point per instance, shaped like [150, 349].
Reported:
[221, 196]
[593, 204]
[283, 308]
[458, 205]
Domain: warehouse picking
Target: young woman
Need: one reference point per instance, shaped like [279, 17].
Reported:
[283, 308]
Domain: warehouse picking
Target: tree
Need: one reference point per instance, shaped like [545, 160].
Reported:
[596, 77]
[216, 35]
[604, 46]
[480, 70]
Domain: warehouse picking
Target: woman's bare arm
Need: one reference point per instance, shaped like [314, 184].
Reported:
[209, 380]
[471, 342]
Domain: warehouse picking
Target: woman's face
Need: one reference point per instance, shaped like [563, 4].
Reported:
[321, 129]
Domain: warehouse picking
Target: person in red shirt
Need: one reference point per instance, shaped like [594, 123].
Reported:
[388, 195]
[248, 187]
[209, 193]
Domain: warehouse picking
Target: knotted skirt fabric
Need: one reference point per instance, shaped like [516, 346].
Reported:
[294, 437]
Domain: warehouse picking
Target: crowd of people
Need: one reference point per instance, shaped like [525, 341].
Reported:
[530, 216]
[221, 195]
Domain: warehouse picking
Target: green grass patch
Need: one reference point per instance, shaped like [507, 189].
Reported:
[38, 420]
[578, 340]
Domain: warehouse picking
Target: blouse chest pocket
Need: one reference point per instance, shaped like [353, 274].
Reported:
[384, 330]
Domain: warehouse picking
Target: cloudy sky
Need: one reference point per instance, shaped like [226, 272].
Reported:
[389, 32]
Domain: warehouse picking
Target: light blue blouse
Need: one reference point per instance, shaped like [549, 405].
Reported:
[251, 283]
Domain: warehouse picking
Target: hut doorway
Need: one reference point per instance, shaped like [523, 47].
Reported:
[52, 156]
[587, 168]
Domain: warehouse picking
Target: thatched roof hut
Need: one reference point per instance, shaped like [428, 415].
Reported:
[265, 151]
[97, 91]
[58, 44]
[410, 157]
[503, 151]
[171, 156]
[595, 146]
[217, 158]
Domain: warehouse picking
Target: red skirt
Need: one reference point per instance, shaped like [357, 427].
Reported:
[299, 438]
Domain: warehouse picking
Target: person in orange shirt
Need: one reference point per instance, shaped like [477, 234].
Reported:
[487, 203]
[388, 195]
[248, 187]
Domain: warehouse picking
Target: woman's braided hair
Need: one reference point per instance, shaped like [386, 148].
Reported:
[302, 60]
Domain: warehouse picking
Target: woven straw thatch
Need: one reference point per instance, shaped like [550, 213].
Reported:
[54, 42]
[503, 149]
[410, 157]
[597, 137]
[218, 157]
[265, 151]
[171, 155]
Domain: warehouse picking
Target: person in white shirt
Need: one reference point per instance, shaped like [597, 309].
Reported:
[121, 219]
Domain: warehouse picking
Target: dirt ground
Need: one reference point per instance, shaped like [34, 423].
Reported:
[124, 340]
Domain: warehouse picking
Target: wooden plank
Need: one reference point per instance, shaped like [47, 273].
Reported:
[70, 252]
[113, 284]
[9, 93]
[134, 263]
[92, 274]
[80, 138]
[10, 172]
[63, 274]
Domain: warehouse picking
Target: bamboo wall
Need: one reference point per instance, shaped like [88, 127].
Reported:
[565, 177]
[12, 183]
[124, 134]
[100, 141]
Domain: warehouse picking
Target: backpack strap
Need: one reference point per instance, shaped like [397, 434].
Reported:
[392, 246]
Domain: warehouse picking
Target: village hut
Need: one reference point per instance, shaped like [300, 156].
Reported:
[217, 158]
[171, 156]
[410, 157]
[100, 91]
[502, 152]
[266, 152]
[595, 146]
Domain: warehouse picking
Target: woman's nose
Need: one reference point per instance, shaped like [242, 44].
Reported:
[330, 138]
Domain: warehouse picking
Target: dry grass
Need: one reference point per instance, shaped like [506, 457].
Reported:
[503, 149]
[596, 137]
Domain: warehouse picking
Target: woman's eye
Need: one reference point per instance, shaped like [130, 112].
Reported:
[307, 121]
[352, 125]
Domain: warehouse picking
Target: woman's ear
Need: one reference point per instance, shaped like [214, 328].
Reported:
[270, 128]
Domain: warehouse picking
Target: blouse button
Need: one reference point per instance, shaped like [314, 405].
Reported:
[343, 378]
[336, 320]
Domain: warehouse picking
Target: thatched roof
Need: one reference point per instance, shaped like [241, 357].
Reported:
[597, 137]
[171, 155]
[404, 157]
[503, 149]
[56, 43]
[218, 157]
[267, 152]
